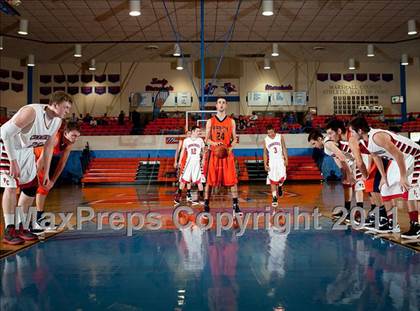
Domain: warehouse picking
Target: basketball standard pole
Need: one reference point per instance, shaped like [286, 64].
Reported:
[202, 102]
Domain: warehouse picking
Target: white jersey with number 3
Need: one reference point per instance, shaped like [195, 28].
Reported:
[274, 148]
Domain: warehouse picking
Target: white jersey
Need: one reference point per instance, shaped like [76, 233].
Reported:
[41, 130]
[274, 148]
[404, 144]
[194, 148]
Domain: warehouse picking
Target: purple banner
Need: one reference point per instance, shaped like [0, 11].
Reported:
[59, 88]
[322, 77]
[17, 75]
[73, 78]
[387, 77]
[86, 90]
[72, 90]
[100, 90]
[45, 90]
[361, 77]
[100, 78]
[113, 90]
[4, 86]
[335, 77]
[4, 73]
[86, 78]
[59, 78]
[114, 78]
[375, 77]
[45, 78]
[348, 77]
[17, 87]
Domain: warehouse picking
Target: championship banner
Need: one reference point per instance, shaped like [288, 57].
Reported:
[183, 99]
[257, 98]
[299, 98]
[281, 99]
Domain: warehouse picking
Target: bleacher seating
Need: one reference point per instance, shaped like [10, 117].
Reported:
[165, 126]
[117, 170]
[112, 128]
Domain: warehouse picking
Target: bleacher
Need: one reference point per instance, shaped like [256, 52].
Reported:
[111, 128]
[165, 126]
[322, 120]
[129, 170]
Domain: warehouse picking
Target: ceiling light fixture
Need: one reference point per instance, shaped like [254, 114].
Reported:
[267, 7]
[179, 65]
[23, 27]
[352, 64]
[267, 63]
[370, 50]
[412, 28]
[275, 51]
[77, 50]
[92, 65]
[177, 50]
[404, 60]
[31, 60]
[1, 43]
[135, 8]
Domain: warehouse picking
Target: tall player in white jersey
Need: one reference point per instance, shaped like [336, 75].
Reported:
[403, 172]
[275, 162]
[32, 126]
[191, 172]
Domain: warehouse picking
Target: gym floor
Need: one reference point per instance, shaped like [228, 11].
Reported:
[191, 269]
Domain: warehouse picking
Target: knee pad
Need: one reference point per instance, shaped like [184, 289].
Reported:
[30, 191]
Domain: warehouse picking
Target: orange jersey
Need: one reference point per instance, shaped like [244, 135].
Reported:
[59, 147]
[221, 130]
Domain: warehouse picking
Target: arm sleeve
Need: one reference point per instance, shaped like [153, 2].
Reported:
[8, 133]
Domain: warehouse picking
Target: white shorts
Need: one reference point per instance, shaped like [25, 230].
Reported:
[27, 165]
[277, 173]
[192, 173]
[394, 190]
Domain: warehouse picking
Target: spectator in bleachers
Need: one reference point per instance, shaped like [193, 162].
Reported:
[88, 118]
[135, 118]
[308, 119]
[162, 114]
[291, 119]
[254, 116]
[381, 117]
[242, 123]
[121, 118]
[411, 117]
[103, 120]
[93, 122]
[284, 126]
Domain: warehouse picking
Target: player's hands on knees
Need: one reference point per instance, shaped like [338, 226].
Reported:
[14, 170]
[404, 184]
[46, 180]
[49, 185]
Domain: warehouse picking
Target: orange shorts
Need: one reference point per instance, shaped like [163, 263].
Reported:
[221, 172]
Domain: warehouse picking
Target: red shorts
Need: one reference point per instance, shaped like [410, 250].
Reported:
[221, 172]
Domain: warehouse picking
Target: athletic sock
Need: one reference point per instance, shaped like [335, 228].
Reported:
[189, 192]
[235, 200]
[347, 205]
[382, 211]
[39, 215]
[179, 191]
[359, 204]
[414, 216]
[372, 207]
[274, 194]
[9, 219]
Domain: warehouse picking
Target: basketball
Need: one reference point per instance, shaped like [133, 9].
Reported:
[221, 151]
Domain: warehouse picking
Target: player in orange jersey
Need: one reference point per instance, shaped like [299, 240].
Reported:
[221, 131]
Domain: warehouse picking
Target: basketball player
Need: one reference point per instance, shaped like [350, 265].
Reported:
[191, 172]
[32, 126]
[181, 157]
[403, 171]
[63, 143]
[221, 131]
[275, 162]
[317, 140]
